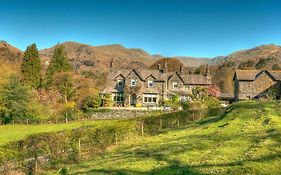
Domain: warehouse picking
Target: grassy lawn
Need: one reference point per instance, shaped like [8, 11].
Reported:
[246, 140]
[10, 133]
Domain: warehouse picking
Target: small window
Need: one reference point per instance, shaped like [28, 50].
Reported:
[133, 82]
[150, 83]
[175, 84]
[120, 83]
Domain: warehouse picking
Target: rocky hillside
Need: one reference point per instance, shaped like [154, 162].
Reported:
[9, 53]
[98, 58]
[194, 62]
[95, 61]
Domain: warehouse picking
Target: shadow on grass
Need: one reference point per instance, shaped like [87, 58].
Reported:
[174, 168]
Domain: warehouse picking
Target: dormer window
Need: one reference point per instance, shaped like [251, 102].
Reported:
[175, 84]
[133, 82]
[150, 83]
[120, 83]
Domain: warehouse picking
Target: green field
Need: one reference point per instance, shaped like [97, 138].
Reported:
[10, 133]
[246, 140]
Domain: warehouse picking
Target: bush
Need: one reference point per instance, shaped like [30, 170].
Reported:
[91, 102]
[13, 101]
[185, 105]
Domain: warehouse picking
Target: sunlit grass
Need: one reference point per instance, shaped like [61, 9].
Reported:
[246, 140]
[15, 132]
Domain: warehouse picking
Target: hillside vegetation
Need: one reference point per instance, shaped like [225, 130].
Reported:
[245, 140]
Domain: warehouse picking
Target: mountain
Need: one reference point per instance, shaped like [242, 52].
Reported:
[95, 61]
[9, 53]
[98, 58]
[193, 62]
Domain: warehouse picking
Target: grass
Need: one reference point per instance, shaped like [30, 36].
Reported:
[246, 140]
[16, 132]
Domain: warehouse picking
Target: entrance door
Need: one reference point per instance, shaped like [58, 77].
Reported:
[133, 99]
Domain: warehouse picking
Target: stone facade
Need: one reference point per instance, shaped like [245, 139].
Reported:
[250, 84]
[150, 87]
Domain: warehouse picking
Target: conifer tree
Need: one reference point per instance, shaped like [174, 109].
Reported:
[58, 63]
[31, 67]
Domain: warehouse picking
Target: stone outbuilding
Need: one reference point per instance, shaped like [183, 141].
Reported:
[251, 84]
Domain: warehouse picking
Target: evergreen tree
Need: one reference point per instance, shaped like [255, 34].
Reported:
[58, 63]
[31, 67]
[13, 101]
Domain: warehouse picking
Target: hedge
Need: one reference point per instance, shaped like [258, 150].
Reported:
[54, 148]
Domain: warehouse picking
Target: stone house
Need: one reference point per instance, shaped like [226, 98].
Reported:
[250, 84]
[141, 87]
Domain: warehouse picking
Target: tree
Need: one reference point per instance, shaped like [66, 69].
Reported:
[58, 63]
[91, 102]
[13, 101]
[63, 83]
[276, 67]
[214, 91]
[31, 67]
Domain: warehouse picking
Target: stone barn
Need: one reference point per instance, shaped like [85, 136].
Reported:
[251, 84]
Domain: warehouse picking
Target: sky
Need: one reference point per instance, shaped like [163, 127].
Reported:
[198, 28]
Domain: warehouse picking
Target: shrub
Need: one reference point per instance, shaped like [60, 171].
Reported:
[91, 102]
[13, 101]
[185, 105]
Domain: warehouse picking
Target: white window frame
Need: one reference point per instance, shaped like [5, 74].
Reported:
[133, 82]
[118, 97]
[150, 83]
[150, 98]
[118, 81]
[175, 83]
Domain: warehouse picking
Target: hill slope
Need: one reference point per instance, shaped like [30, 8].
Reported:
[246, 140]
[98, 58]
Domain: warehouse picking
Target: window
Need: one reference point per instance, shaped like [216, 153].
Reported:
[133, 82]
[150, 83]
[118, 97]
[149, 98]
[175, 84]
[120, 83]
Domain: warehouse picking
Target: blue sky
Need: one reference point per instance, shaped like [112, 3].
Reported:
[201, 28]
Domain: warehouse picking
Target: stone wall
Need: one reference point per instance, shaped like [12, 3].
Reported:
[123, 114]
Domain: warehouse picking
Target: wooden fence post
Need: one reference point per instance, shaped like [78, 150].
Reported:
[79, 147]
[142, 130]
[160, 124]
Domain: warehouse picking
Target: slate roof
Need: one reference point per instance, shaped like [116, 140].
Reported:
[156, 74]
[251, 75]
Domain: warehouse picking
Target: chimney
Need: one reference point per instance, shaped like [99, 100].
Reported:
[159, 67]
[165, 66]
[181, 69]
[111, 63]
[208, 71]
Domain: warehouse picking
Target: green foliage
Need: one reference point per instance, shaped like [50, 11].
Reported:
[184, 105]
[262, 63]
[229, 64]
[247, 64]
[91, 102]
[211, 102]
[63, 83]
[31, 67]
[173, 102]
[107, 100]
[58, 63]
[13, 101]
[276, 67]
[63, 171]
[37, 112]
[202, 98]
